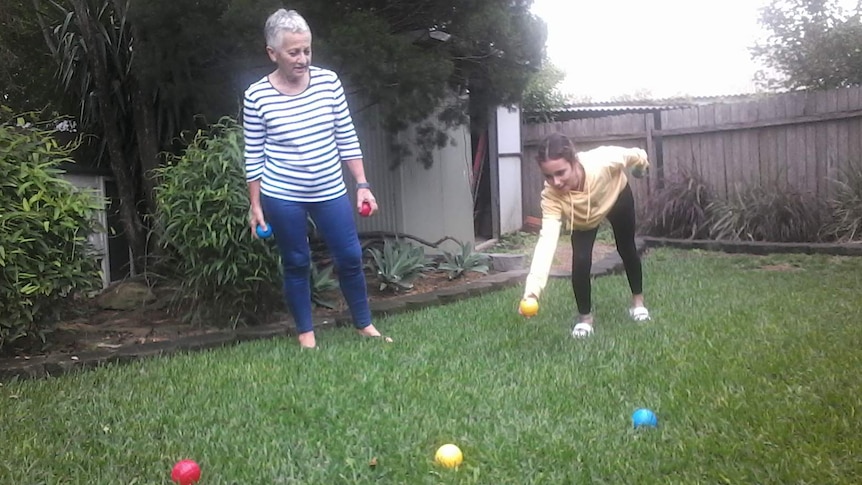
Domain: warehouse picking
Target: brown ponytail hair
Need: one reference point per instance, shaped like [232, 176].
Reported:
[554, 146]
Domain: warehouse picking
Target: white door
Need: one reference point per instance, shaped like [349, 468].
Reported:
[99, 239]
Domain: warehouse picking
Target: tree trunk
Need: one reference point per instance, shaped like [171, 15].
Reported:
[148, 143]
[122, 172]
[148, 154]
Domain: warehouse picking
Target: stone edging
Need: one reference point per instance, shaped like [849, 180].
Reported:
[757, 248]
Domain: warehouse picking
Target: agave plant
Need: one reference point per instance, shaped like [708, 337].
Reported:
[466, 260]
[398, 264]
[322, 283]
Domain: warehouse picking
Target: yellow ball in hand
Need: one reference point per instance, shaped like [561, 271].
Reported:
[449, 456]
[529, 307]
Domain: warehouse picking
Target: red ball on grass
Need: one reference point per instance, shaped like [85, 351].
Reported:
[186, 472]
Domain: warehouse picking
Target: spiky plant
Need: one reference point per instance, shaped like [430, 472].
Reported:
[767, 213]
[678, 210]
[845, 207]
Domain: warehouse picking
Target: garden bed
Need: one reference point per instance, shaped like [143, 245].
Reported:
[93, 329]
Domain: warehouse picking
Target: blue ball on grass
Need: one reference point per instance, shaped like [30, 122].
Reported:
[644, 418]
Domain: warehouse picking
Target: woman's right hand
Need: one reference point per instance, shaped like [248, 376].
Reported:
[255, 219]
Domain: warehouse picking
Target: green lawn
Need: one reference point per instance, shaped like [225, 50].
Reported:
[751, 364]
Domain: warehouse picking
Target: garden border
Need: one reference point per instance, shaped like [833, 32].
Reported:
[60, 364]
[56, 365]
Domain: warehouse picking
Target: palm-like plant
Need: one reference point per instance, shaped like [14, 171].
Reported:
[91, 43]
[139, 81]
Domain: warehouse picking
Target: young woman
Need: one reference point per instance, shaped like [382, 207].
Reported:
[581, 190]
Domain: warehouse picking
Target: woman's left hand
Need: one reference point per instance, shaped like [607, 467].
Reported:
[365, 195]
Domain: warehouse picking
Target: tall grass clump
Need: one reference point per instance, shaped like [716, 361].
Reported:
[767, 213]
[845, 207]
[679, 209]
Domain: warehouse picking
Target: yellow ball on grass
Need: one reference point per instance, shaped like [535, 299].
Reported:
[529, 307]
[449, 456]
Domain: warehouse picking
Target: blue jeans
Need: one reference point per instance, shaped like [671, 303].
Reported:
[335, 223]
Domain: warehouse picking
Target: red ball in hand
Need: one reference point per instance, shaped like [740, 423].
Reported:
[186, 472]
[365, 211]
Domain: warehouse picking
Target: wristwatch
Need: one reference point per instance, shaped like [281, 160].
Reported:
[363, 185]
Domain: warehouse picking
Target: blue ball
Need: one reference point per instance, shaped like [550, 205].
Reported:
[644, 417]
[264, 231]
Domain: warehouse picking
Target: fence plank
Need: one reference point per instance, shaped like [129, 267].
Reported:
[751, 114]
[767, 143]
[824, 151]
[797, 152]
[737, 151]
[807, 177]
[842, 136]
[693, 161]
[712, 154]
[724, 170]
[854, 152]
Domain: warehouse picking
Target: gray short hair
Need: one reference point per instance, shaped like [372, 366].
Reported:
[284, 21]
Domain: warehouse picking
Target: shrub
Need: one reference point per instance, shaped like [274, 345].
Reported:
[845, 207]
[767, 213]
[226, 276]
[44, 224]
[397, 265]
[679, 209]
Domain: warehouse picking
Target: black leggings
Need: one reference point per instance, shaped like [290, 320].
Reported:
[622, 219]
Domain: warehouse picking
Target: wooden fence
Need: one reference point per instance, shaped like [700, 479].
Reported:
[799, 140]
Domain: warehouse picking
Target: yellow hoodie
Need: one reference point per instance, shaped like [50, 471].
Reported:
[605, 178]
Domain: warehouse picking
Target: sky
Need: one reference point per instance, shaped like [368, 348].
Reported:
[611, 48]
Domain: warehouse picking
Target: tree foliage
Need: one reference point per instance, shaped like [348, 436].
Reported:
[141, 73]
[25, 67]
[811, 44]
[93, 46]
[542, 94]
[190, 61]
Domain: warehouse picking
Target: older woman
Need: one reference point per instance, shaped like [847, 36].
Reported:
[298, 132]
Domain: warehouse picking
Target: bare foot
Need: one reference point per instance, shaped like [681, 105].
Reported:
[371, 331]
[307, 340]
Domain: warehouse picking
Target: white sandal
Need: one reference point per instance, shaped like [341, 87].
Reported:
[639, 314]
[582, 330]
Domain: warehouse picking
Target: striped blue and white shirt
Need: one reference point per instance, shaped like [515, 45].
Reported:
[295, 144]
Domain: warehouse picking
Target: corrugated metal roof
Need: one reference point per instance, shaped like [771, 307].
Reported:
[592, 109]
[655, 104]
[628, 108]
